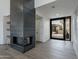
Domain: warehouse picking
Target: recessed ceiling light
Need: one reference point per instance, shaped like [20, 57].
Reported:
[53, 6]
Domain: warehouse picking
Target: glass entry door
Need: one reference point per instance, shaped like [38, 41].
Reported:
[60, 28]
[57, 29]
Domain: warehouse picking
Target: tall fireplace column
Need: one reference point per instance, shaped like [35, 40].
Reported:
[22, 25]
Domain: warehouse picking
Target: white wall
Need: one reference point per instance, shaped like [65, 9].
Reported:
[4, 11]
[46, 30]
[5, 31]
[74, 31]
[39, 3]
[4, 7]
[44, 27]
[38, 27]
[1, 30]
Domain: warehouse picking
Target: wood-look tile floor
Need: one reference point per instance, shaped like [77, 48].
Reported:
[53, 49]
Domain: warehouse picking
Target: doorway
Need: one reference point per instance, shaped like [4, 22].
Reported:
[60, 28]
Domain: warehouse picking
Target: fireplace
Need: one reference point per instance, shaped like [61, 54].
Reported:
[22, 42]
[22, 25]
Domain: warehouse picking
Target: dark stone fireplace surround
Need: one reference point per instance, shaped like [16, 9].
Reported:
[22, 25]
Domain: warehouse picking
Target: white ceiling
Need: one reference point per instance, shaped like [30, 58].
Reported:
[62, 8]
[39, 3]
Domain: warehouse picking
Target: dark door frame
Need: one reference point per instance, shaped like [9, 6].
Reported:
[61, 18]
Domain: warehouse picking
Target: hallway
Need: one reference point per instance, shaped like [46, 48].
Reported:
[52, 49]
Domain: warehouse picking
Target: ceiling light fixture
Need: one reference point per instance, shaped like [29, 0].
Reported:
[53, 6]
